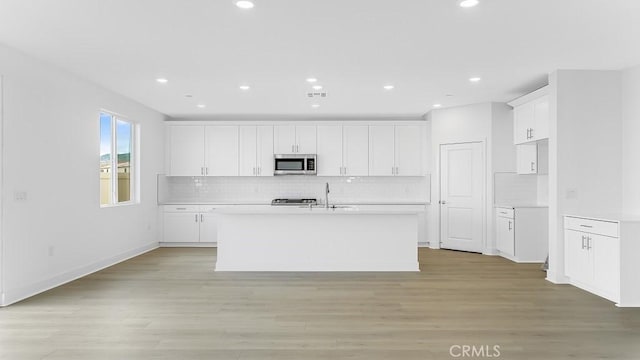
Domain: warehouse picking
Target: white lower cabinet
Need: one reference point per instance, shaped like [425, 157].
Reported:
[189, 224]
[521, 233]
[592, 256]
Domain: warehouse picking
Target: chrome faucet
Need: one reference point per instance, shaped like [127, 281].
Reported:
[326, 196]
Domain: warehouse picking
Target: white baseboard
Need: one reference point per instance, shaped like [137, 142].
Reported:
[188, 244]
[15, 295]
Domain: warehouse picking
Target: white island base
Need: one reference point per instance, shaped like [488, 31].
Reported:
[317, 240]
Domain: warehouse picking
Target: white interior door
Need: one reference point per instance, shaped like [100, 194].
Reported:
[462, 171]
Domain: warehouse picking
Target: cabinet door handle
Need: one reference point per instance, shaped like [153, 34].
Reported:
[532, 166]
[201, 171]
[259, 170]
[206, 170]
[583, 238]
[196, 217]
[293, 149]
[509, 224]
[588, 242]
[397, 170]
[201, 218]
[586, 226]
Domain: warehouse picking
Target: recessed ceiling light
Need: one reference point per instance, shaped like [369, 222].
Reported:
[317, 87]
[475, 79]
[389, 87]
[201, 106]
[162, 80]
[315, 106]
[245, 87]
[188, 95]
[245, 4]
[468, 3]
[437, 105]
[311, 80]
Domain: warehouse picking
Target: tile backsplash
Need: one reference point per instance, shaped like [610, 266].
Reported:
[184, 189]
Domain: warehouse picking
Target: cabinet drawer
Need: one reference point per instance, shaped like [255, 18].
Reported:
[605, 228]
[505, 212]
[181, 208]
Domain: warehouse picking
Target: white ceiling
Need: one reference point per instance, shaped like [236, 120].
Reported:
[426, 48]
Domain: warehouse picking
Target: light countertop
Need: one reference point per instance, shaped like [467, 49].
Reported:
[320, 210]
[612, 216]
[515, 206]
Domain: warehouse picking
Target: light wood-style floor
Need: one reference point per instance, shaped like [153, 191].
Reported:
[169, 304]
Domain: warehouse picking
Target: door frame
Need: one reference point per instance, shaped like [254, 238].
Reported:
[2, 247]
[483, 186]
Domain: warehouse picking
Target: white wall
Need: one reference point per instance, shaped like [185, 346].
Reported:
[491, 123]
[631, 140]
[584, 152]
[51, 152]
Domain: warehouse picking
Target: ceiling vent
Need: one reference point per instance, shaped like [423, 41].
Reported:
[317, 94]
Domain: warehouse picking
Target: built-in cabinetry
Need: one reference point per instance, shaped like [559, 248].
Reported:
[195, 224]
[294, 139]
[533, 158]
[531, 117]
[531, 132]
[256, 150]
[395, 150]
[343, 150]
[521, 233]
[601, 257]
[203, 150]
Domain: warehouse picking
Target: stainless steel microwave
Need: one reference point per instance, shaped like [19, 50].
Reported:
[294, 164]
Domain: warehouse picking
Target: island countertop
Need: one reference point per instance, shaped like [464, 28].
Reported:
[321, 210]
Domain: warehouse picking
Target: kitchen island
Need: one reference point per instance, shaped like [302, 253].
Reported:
[345, 238]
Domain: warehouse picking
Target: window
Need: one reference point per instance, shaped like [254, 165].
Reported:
[117, 160]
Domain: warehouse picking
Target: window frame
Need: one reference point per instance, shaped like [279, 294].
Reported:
[133, 160]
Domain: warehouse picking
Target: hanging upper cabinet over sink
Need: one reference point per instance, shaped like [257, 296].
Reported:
[531, 117]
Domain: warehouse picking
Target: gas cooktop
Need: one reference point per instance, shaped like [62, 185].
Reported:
[293, 202]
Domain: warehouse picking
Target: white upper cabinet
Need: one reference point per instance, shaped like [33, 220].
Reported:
[329, 150]
[395, 150]
[408, 150]
[221, 156]
[256, 150]
[381, 150]
[264, 150]
[291, 139]
[531, 117]
[343, 150]
[248, 150]
[355, 150]
[306, 139]
[186, 150]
